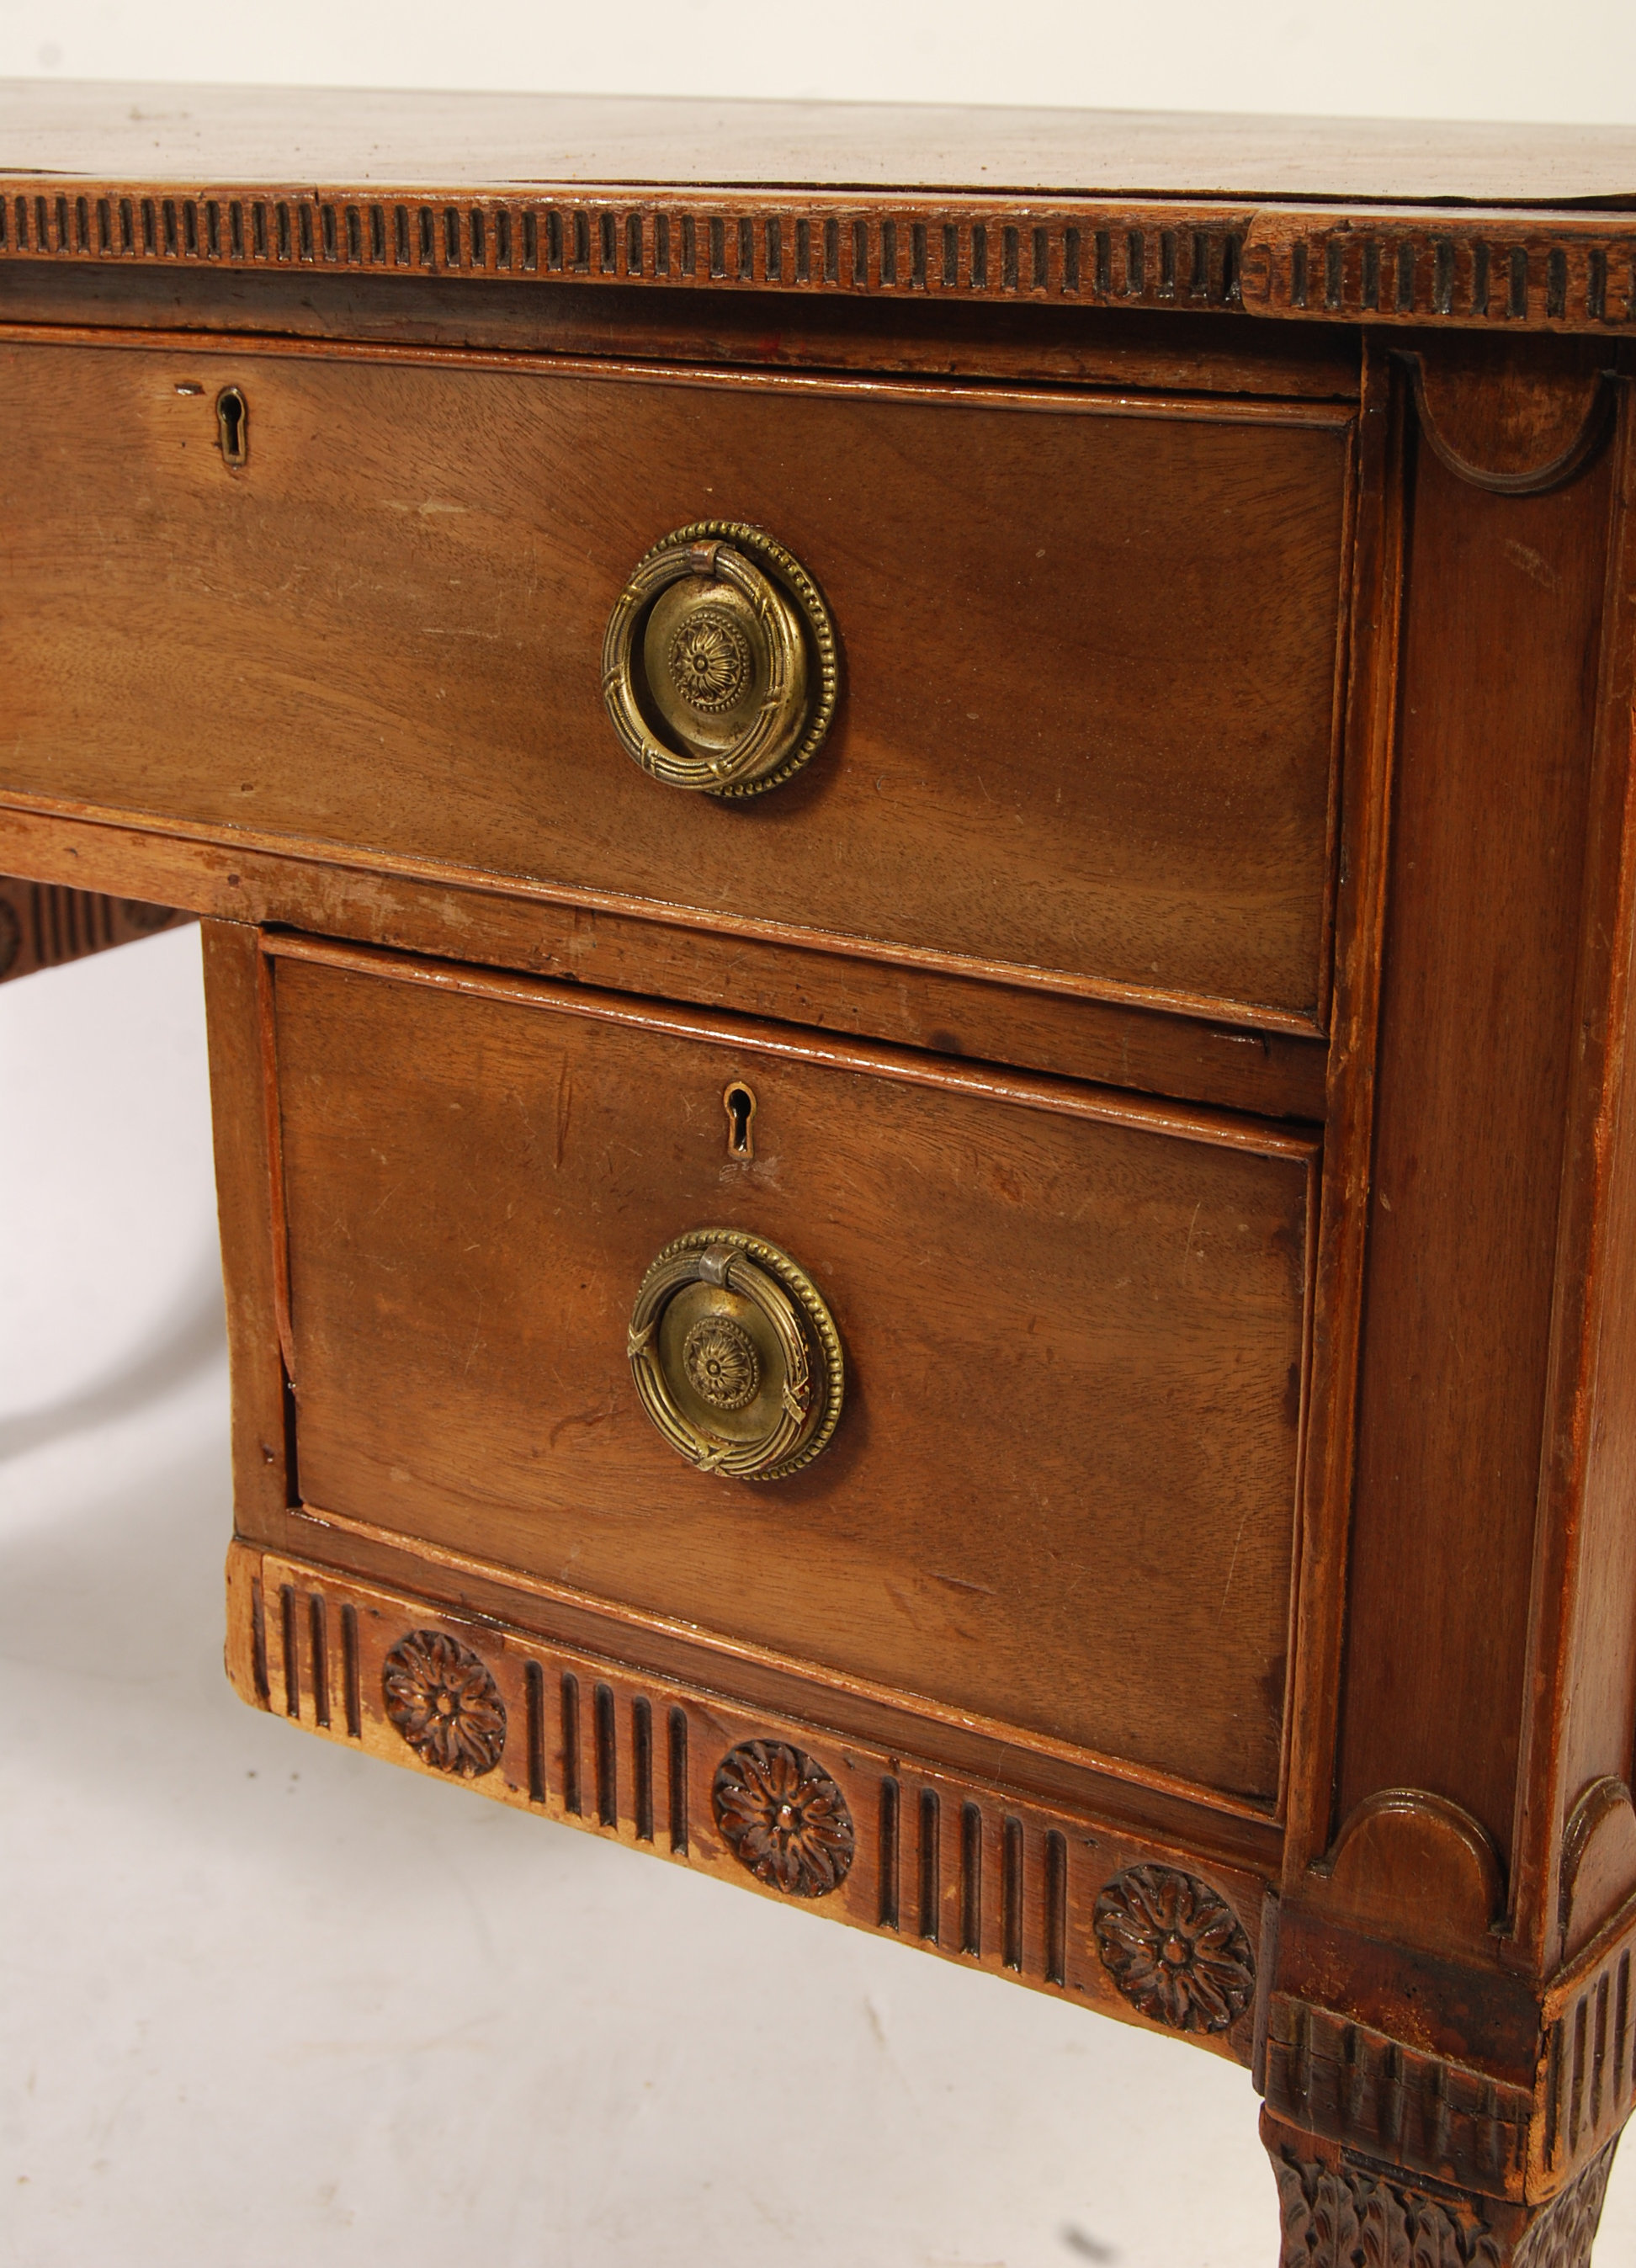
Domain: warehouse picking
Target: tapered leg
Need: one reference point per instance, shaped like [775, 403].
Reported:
[1338, 2209]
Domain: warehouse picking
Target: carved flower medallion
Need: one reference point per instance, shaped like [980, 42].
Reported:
[709, 659]
[444, 1702]
[721, 1362]
[784, 1818]
[1174, 1948]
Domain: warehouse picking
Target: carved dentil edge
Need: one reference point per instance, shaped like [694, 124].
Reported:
[1488, 270]
[1051, 1898]
[1351, 2084]
[1348, 2084]
[44, 924]
[1482, 272]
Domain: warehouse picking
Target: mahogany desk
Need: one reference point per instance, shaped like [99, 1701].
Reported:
[916, 837]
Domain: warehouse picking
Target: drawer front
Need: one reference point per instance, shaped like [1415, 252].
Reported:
[1060, 1497]
[1088, 647]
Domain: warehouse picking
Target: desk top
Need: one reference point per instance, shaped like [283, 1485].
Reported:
[222, 137]
[1493, 227]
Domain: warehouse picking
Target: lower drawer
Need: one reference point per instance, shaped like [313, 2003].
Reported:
[1060, 1493]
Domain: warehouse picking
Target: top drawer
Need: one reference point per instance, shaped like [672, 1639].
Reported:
[1089, 646]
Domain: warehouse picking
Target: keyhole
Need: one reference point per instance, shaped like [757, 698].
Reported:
[232, 425]
[740, 1105]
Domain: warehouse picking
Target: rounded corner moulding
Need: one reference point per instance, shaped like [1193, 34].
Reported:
[1422, 1860]
[1496, 422]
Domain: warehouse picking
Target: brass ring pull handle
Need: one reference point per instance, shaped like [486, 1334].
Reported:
[735, 1355]
[719, 665]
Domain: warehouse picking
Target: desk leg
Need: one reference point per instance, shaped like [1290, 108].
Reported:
[43, 924]
[1338, 2209]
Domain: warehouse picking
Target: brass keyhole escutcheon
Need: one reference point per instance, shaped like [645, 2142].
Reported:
[719, 667]
[735, 1355]
[738, 1102]
[233, 426]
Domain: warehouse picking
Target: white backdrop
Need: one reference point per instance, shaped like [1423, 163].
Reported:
[265, 2001]
[1570, 60]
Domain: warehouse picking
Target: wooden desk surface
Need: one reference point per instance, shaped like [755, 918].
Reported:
[342, 136]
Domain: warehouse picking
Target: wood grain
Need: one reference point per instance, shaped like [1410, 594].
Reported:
[952, 1864]
[196, 135]
[474, 1190]
[1123, 345]
[1580, 1723]
[235, 985]
[1500, 641]
[430, 685]
[1275, 1074]
[1318, 1647]
[1185, 1004]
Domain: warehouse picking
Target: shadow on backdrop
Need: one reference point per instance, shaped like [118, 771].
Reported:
[186, 1338]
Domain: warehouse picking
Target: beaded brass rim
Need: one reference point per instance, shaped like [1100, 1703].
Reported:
[801, 656]
[735, 1355]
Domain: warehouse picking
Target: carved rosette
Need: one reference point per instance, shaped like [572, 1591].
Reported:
[784, 1818]
[1174, 1947]
[721, 1363]
[710, 660]
[445, 1704]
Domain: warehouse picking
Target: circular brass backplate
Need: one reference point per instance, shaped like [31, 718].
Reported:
[735, 1355]
[719, 666]
[709, 655]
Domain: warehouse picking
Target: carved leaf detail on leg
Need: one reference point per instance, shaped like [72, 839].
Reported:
[1347, 2217]
[1566, 2230]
